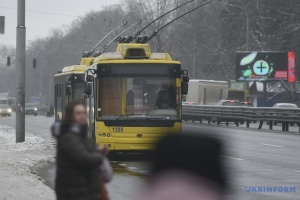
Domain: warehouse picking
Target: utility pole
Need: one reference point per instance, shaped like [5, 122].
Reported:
[20, 66]
[265, 93]
[194, 56]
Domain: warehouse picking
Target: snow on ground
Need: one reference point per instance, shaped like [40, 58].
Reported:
[18, 164]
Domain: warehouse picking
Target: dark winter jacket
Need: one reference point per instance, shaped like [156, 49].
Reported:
[78, 161]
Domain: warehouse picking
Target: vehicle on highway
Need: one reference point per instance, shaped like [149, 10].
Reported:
[225, 102]
[68, 86]
[189, 103]
[12, 103]
[247, 104]
[31, 109]
[5, 110]
[207, 92]
[4, 101]
[287, 106]
[123, 91]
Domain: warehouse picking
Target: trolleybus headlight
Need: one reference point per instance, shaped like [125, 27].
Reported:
[9, 110]
[35, 109]
[108, 135]
[103, 134]
[108, 145]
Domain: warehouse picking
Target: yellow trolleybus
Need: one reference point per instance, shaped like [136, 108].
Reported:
[134, 97]
[69, 85]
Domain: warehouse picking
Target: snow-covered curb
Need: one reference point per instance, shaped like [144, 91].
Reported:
[18, 164]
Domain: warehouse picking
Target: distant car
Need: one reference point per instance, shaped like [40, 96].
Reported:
[284, 105]
[5, 110]
[224, 102]
[189, 103]
[247, 104]
[31, 109]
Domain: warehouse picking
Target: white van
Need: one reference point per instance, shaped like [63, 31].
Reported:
[3, 100]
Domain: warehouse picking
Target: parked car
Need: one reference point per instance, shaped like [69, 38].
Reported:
[5, 110]
[224, 102]
[284, 105]
[31, 109]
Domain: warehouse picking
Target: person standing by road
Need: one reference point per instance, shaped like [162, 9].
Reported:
[187, 167]
[79, 160]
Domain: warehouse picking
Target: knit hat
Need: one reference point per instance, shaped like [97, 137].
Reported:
[196, 154]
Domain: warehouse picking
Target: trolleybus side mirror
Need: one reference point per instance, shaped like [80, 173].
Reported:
[184, 72]
[184, 88]
[68, 89]
[184, 83]
[89, 78]
[88, 88]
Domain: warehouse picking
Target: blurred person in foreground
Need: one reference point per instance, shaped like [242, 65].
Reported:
[82, 166]
[186, 167]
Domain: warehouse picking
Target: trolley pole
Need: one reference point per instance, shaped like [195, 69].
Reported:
[20, 66]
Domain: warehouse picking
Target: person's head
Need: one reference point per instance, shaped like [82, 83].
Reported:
[191, 153]
[75, 113]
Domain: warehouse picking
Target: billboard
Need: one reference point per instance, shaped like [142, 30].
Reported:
[291, 67]
[264, 66]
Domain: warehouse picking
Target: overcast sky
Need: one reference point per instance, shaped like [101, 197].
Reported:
[39, 21]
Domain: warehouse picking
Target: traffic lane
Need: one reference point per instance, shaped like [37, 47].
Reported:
[276, 148]
[38, 125]
[241, 144]
[254, 158]
[255, 136]
[124, 185]
[265, 126]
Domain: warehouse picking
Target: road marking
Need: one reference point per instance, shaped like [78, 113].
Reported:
[220, 137]
[123, 164]
[232, 158]
[133, 168]
[272, 145]
[143, 172]
[297, 171]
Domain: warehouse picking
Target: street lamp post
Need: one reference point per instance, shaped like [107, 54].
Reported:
[20, 66]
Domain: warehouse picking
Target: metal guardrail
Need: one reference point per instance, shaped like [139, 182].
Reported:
[242, 114]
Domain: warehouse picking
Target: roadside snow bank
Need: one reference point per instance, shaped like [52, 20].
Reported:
[18, 161]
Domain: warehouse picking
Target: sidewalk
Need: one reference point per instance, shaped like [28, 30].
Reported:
[18, 164]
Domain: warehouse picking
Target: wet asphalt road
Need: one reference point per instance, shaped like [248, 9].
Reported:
[254, 158]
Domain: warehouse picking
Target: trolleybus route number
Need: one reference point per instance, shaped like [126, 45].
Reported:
[118, 129]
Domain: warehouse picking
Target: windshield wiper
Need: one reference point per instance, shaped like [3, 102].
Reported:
[121, 116]
[157, 117]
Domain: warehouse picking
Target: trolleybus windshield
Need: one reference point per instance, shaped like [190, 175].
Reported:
[129, 98]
